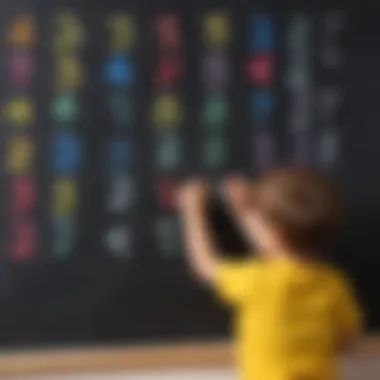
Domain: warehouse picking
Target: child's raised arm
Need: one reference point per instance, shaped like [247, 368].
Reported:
[200, 247]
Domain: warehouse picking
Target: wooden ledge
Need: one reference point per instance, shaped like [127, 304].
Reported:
[100, 359]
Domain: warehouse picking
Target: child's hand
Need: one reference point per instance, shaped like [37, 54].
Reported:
[193, 193]
[237, 191]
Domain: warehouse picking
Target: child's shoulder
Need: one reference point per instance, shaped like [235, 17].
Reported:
[334, 278]
[333, 272]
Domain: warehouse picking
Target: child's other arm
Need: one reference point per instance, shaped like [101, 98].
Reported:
[201, 250]
[349, 317]
[238, 194]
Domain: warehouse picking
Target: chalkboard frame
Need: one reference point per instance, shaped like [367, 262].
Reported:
[129, 358]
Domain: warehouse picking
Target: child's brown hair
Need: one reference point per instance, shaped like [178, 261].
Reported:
[302, 204]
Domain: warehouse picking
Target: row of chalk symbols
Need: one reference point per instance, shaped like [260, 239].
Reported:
[19, 114]
[69, 78]
[120, 75]
[167, 80]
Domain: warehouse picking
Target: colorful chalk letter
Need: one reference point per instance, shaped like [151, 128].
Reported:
[328, 149]
[21, 68]
[122, 32]
[298, 43]
[64, 229]
[64, 199]
[121, 195]
[304, 148]
[215, 111]
[214, 153]
[118, 241]
[67, 152]
[265, 154]
[330, 101]
[167, 233]
[22, 31]
[166, 192]
[20, 111]
[20, 155]
[119, 70]
[261, 69]
[261, 33]
[121, 108]
[215, 71]
[168, 32]
[167, 111]
[65, 107]
[300, 112]
[23, 195]
[120, 156]
[168, 152]
[70, 32]
[24, 240]
[69, 72]
[217, 29]
[168, 71]
[262, 105]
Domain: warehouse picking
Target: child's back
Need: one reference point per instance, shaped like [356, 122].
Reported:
[291, 318]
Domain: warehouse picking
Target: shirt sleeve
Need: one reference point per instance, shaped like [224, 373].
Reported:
[236, 281]
[348, 312]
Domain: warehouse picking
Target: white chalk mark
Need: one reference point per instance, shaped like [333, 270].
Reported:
[118, 241]
[328, 149]
[122, 195]
[167, 236]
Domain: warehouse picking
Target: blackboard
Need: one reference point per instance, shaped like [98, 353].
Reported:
[82, 120]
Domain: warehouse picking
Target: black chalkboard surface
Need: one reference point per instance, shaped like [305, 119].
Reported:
[107, 105]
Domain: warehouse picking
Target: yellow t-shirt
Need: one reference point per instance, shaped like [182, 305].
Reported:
[291, 317]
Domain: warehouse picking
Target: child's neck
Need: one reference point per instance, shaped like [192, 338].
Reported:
[291, 255]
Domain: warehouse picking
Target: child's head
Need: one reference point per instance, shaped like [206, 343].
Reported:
[294, 210]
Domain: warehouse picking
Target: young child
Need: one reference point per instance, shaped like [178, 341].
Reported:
[295, 313]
